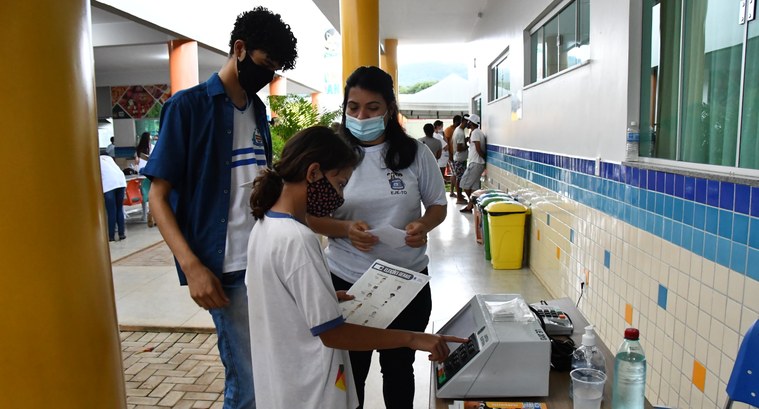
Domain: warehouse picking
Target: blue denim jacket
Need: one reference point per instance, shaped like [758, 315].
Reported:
[194, 154]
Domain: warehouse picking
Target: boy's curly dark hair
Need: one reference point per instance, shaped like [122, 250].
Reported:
[263, 30]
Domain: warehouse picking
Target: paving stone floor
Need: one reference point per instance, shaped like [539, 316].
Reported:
[172, 369]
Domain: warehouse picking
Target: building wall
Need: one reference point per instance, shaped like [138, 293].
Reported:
[673, 253]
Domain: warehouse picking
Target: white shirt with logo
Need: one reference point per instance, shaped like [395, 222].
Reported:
[382, 197]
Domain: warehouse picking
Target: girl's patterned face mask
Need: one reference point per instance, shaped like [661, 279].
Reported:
[322, 199]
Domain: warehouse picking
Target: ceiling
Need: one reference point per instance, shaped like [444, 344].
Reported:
[129, 51]
[420, 21]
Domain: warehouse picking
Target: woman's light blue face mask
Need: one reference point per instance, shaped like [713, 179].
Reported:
[366, 130]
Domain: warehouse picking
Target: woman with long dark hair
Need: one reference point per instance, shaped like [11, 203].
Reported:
[396, 176]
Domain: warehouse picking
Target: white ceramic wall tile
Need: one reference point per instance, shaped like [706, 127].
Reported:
[733, 315]
[751, 295]
[720, 278]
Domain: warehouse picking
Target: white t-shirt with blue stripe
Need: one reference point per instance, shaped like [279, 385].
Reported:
[248, 157]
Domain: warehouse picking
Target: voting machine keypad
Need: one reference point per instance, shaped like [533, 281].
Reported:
[456, 360]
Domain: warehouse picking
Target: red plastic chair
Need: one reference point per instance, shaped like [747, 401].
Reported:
[133, 195]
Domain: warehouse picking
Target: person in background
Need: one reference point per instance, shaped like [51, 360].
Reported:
[142, 151]
[110, 150]
[460, 157]
[300, 328]
[396, 176]
[442, 161]
[448, 134]
[214, 139]
[114, 186]
[470, 181]
[436, 147]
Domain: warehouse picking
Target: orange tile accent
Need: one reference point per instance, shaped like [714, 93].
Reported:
[538, 234]
[629, 314]
[587, 278]
[558, 252]
[699, 375]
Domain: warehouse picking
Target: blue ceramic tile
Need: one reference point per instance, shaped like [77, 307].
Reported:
[726, 195]
[725, 228]
[666, 232]
[723, 251]
[712, 192]
[571, 235]
[752, 267]
[697, 246]
[659, 208]
[755, 201]
[662, 297]
[687, 238]
[660, 181]
[658, 225]
[688, 212]
[669, 183]
[699, 215]
[738, 258]
[679, 185]
[689, 188]
[677, 209]
[651, 201]
[607, 259]
[677, 233]
[643, 178]
[710, 247]
[753, 233]
[712, 219]
[643, 199]
[635, 177]
[700, 190]
[740, 228]
[669, 204]
[650, 223]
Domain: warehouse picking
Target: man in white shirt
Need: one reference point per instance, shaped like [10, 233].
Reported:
[476, 162]
[442, 161]
[460, 157]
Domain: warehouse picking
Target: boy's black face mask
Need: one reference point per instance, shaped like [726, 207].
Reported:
[252, 76]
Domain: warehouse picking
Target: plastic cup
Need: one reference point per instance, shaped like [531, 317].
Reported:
[587, 387]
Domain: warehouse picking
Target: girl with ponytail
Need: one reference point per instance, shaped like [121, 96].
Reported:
[299, 337]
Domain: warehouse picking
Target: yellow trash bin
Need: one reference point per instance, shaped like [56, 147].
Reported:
[506, 221]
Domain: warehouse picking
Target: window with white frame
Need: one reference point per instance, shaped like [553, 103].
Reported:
[499, 77]
[700, 83]
[477, 105]
[561, 41]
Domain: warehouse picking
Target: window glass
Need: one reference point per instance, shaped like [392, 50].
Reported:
[750, 120]
[550, 47]
[503, 81]
[567, 36]
[536, 61]
[584, 17]
[712, 62]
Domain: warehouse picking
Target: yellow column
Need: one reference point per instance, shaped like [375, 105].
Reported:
[183, 64]
[359, 27]
[391, 61]
[60, 344]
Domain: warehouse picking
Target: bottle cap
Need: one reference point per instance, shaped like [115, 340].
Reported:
[589, 337]
[632, 334]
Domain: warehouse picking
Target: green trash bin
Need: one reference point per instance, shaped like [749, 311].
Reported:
[481, 232]
[506, 232]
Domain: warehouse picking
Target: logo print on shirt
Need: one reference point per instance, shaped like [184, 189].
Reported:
[340, 381]
[396, 183]
[257, 139]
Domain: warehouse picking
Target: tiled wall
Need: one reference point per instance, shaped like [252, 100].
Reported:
[675, 256]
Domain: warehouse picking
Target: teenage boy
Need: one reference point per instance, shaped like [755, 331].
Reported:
[470, 181]
[448, 134]
[214, 138]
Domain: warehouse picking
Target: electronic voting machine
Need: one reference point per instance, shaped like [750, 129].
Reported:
[508, 354]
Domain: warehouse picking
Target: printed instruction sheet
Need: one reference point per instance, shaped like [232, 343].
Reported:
[381, 294]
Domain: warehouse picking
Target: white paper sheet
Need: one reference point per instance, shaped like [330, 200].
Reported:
[381, 294]
[389, 235]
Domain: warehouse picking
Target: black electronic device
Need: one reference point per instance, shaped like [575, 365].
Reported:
[555, 321]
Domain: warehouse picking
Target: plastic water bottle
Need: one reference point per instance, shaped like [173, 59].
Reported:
[588, 355]
[628, 390]
[633, 142]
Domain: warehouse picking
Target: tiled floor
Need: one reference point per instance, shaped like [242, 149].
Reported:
[154, 311]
